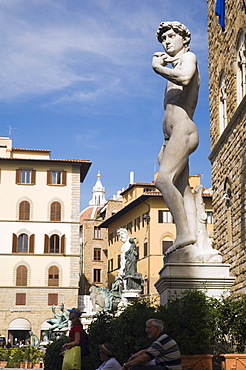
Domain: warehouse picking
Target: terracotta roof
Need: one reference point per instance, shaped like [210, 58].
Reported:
[31, 150]
[84, 164]
[89, 213]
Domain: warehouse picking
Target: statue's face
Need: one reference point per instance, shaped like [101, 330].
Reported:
[123, 237]
[172, 42]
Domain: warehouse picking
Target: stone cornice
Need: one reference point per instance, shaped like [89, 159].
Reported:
[241, 109]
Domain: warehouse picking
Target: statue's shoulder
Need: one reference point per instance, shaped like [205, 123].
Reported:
[188, 56]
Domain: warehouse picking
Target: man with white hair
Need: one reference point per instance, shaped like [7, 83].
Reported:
[164, 351]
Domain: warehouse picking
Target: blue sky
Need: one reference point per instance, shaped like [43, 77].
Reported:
[76, 79]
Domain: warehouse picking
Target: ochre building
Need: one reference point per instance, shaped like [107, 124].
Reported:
[146, 217]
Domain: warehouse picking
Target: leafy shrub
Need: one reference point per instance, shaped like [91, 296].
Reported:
[16, 355]
[52, 359]
[34, 355]
[231, 324]
[4, 354]
[100, 331]
[190, 320]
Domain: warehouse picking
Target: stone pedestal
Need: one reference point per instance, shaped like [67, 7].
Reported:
[131, 294]
[177, 277]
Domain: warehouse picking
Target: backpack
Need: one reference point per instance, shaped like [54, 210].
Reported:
[84, 344]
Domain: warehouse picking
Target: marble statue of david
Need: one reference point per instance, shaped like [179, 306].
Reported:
[180, 132]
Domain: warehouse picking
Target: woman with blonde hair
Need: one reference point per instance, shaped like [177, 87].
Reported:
[75, 336]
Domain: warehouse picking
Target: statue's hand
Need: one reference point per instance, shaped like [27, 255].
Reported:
[159, 59]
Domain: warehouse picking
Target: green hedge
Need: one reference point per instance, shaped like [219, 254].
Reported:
[199, 324]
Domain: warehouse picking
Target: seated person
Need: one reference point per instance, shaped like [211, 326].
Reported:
[107, 353]
[164, 351]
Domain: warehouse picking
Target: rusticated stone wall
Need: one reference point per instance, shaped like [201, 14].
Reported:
[228, 150]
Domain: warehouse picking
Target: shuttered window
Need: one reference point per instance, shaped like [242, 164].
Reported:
[165, 217]
[97, 254]
[24, 211]
[54, 244]
[97, 275]
[20, 299]
[23, 243]
[52, 299]
[53, 276]
[56, 177]
[55, 211]
[25, 176]
[145, 249]
[21, 276]
[166, 244]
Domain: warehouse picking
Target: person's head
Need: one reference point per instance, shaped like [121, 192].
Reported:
[74, 316]
[154, 328]
[107, 351]
[175, 31]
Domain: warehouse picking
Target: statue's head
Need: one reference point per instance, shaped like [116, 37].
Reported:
[123, 234]
[62, 306]
[178, 28]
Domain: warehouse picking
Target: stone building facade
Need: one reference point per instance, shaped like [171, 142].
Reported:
[227, 82]
[94, 240]
[39, 238]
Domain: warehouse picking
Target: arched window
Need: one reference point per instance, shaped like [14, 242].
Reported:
[23, 243]
[21, 276]
[241, 68]
[166, 244]
[24, 210]
[54, 244]
[53, 276]
[222, 104]
[55, 211]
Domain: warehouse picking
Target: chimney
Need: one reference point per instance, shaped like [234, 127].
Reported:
[131, 177]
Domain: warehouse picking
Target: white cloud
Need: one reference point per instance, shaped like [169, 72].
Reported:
[92, 47]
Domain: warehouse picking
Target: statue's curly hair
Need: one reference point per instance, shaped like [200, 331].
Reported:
[178, 27]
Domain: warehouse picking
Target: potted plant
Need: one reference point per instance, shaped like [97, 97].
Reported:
[231, 331]
[16, 356]
[3, 357]
[190, 320]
